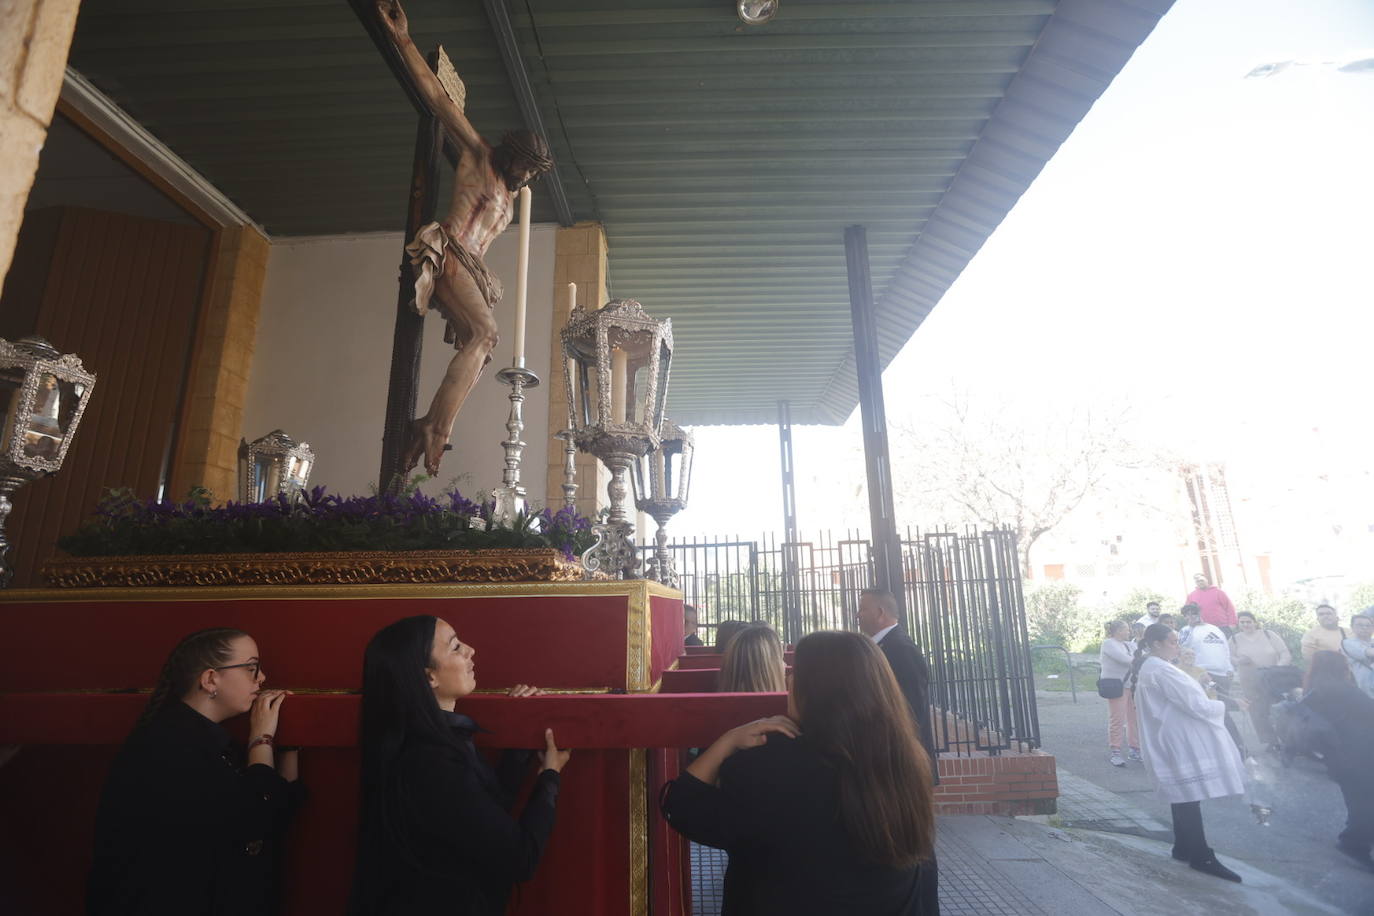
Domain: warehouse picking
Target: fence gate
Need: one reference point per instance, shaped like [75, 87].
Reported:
[964, 607]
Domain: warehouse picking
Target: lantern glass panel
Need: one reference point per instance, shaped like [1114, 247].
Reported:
[10, 382]
[53, 407]
[267, 476]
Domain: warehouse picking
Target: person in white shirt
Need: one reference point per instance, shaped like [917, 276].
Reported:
[1213, 652]
[1186, 751]
[1115, 658]
[1151, 614]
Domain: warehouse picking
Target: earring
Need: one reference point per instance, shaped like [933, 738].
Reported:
[214, 694]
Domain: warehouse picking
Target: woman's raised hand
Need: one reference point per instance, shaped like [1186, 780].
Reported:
[266, 710]
[524, 690]
[753, 734]
[552, 757]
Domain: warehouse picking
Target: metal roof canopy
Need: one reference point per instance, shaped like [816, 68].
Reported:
[724, 160]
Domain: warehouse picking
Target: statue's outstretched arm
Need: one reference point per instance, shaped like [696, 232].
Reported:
[393, 20]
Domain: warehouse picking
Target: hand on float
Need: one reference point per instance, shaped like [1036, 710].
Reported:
[753, 734]
[265, 713]
[553, 758]
[289, 763]
[524, 690]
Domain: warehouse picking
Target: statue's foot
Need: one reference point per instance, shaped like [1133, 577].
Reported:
[425, 441]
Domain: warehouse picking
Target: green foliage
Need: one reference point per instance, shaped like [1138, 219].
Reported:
[124, 525]
[1054, 617]
[1288, 616]
[1130, 608]
[1360, 597]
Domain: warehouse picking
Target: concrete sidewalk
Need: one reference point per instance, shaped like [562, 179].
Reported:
[1005, 866]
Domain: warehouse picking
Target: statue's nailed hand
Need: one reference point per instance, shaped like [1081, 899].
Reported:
[393, 18]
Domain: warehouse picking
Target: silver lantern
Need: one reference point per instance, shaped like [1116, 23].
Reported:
[274, 464]
[43, 395]
[616, 362]
[662, 479]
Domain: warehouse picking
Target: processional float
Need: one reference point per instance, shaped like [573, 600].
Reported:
[604, 647]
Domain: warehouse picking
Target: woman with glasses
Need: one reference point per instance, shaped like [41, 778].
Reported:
[437, 832]
[187, 824]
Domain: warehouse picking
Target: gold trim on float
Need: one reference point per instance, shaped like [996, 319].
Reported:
[403, 591]
[639, 832]
[406, 567]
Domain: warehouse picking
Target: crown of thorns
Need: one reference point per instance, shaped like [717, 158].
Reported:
[527, 145]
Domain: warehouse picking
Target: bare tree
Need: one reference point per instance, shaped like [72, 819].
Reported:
[996, 467]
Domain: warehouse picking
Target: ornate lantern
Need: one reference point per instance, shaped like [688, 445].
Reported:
[616, 364]
[43, 395]
[661, 480]
[274, 464]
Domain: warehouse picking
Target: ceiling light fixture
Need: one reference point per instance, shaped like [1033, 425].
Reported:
[756, 12]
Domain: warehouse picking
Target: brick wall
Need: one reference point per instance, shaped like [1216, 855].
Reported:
[1005, 784]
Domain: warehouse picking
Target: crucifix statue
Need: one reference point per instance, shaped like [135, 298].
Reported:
[447, 256]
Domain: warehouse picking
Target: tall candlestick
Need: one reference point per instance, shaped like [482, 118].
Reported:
[572, 363]
[522, 269]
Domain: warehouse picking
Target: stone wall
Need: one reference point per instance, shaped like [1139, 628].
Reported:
[34, 38]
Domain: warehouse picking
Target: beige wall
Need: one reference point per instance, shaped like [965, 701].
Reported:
[34, 38]
[323, 353]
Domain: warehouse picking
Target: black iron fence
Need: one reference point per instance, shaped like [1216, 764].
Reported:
[964, 607]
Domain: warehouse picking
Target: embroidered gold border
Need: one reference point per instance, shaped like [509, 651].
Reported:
[404, 591]
[406, 567]
[639, 833]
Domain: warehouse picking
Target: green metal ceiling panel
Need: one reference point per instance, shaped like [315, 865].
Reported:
[724, 160]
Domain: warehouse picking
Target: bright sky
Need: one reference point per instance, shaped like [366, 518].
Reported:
[1201, 247]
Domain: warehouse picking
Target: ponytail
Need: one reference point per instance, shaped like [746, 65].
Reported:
[202, 649]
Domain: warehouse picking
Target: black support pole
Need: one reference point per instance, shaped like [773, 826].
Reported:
[404, 382]
[791, 580]
[887, 548]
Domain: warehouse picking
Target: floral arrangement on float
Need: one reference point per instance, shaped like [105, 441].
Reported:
[317, 538]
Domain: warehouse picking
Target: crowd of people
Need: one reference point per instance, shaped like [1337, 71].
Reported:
[1172, 684]
[826, 809]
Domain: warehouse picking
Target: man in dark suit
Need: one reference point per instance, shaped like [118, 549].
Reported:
[878, 621]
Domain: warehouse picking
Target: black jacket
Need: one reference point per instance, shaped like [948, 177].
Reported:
[913, 676]
[454, 847]
[776, 811]
[1347, 714]
[182, 830]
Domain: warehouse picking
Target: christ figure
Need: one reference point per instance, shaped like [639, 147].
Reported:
[447, 256]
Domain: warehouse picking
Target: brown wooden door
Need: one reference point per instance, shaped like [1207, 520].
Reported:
[121, 292]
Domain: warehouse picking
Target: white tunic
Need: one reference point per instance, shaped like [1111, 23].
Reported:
[1187, 751]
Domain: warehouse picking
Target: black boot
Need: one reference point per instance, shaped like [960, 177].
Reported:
[1210, 866]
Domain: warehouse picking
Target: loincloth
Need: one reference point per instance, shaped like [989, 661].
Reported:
[427, 252]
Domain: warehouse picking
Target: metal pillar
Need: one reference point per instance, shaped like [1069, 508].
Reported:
[887, 547]
[791, 581]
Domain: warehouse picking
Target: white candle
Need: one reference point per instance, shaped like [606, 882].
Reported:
[522, 269]
[572, 363]
[620, 372]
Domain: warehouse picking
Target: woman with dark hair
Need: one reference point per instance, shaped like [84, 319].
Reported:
[436, 830]
[185, 826]
[1342, 728]
[1188, 752]
[726, 630]
[753, 662]
[827, 810]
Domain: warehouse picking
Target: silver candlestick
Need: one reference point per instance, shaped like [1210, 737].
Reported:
[569, 468]
[510, 496]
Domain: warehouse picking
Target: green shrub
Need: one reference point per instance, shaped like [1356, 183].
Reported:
[1130, 608]
[1054, 617]
[1288, 616]
[1360, 597]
